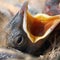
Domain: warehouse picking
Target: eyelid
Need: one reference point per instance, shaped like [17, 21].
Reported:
[17, 37]
[21, 41]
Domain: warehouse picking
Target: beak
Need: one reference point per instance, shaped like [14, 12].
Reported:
[39, 26]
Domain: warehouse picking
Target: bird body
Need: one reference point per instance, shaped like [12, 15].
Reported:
[31, 33]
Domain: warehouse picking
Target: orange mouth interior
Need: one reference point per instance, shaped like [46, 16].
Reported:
[38, 25]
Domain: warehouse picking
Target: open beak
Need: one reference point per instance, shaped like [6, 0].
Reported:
[39, 26]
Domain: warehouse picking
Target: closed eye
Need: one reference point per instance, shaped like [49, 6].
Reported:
[20, 40]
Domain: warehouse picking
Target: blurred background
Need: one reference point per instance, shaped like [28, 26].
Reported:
[51, 7]
[36, 4]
